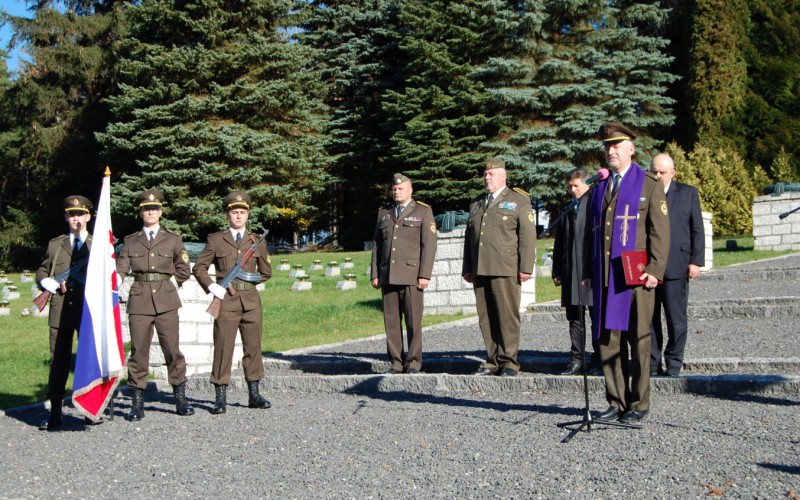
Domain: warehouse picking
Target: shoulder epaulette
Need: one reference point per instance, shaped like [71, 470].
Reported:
[652, 175]
[60, 238]
[422, 203]
[170, 232]
[522, 192]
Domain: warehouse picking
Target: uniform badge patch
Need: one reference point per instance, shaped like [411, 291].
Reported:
[664, 207]
[185, 257]
[433, 227]
[508, 205]
[530, 217]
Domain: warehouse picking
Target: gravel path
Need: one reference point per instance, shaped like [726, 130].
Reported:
[404, 445]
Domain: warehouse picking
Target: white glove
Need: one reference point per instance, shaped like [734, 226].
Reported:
[217, 290]
[50, 285]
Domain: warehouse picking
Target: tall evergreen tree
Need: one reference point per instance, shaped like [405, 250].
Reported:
[359, 56]
[54, 107]
[214, 97]
[597, 61]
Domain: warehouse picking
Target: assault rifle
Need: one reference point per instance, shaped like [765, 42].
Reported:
[41, 300]
[234, 273]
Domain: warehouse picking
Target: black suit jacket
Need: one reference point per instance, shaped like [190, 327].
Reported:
[568, 251]
[687, 238]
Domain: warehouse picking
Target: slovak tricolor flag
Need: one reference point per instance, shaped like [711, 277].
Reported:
[100, 357]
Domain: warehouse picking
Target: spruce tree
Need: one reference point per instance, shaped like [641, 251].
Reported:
[214, 97]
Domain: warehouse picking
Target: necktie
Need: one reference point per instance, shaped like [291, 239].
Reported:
[238, 239]
[152, 236]
[398, 210]
[489, 199]
[615, 183]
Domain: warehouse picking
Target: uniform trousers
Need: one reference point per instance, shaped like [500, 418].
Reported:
[61, 340]
[225, 327]
[399, 302]
[674, 296]
[497, 300]
[166, 325]
[617, 345]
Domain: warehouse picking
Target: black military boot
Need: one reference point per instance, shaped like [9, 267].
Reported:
[255, 399]
[137, 405]
[221, 403]
[182, 405]
[56, 415]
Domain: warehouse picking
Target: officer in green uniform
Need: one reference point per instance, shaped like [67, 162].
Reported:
[241, 307]
[404, 247]
[153, 256]
[499, 254]
[66, 301]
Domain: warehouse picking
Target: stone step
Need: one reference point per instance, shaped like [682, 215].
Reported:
[754, 307]
[733, 385]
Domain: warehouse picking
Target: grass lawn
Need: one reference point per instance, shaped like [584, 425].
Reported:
[291, 319]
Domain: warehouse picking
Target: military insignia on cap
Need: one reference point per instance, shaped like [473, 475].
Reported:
[238, 197]
[664, 207]
[151, 197]
[185, 257]
[75, 202]
[433, 227]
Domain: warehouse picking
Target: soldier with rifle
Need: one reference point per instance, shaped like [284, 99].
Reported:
[62, 276]
[241, 261]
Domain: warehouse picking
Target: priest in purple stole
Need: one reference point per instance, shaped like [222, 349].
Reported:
[627, 211]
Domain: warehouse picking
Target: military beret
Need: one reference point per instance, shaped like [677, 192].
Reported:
[151, 198]
[399, 179]
[237, 199]
[494, 162]
[615, 132]
[77, 203]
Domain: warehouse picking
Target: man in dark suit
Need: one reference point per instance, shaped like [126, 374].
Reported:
[402, 264]
[686, 257]
[499, 254]
[241, 303]
[568, 270]
[153, 256]
[627, 212]
[66, 301]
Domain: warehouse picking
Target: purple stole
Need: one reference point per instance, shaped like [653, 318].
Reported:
[616, 313]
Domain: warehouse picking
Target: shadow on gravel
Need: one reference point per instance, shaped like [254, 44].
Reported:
[369, 389]
[789, 469]
[734, 387]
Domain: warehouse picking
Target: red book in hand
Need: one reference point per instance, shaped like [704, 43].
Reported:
[633, 264]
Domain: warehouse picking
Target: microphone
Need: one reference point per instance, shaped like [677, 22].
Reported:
[601, 175]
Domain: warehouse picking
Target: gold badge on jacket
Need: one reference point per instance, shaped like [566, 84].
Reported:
[664, 207]
[433, 227]
[185, 257]
[530, 217]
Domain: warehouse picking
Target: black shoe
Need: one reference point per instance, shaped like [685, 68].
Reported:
[182, 406]
[595, 371]
[483, 371]
[673, 372]
[221, 399]
[88, 421]
[612, 413]
[633, 417]
[255, 399]
[412, 371]
[137, 405]
[50, 424]
[573, 368]
[508, 372]
[394, 371]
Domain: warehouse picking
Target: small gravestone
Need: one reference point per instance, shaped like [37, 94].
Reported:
[297, 271]
[284, 265]
[302, 284]
[11, 293]
[317, 266]
[333, 269]
[6, 286]
[731, 245]
[5, 309]
[26, 277]
[3, 278]
[35, 312]
[348, 263]
[35, 290]
[348, 283]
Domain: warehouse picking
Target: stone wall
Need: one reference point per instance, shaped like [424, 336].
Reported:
[447, 292]
[771, 232]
